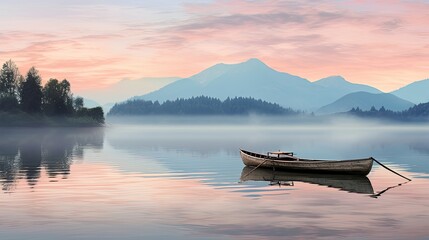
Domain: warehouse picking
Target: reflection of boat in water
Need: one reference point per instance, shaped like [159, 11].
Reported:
[349, 183]
[287, 161]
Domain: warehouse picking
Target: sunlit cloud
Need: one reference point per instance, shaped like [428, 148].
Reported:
[96, 43]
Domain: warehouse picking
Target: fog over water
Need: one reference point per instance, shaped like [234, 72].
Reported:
[165, 178]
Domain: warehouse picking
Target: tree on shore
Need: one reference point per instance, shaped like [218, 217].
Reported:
[78, 103]
[9, 79]
[57, 98]
[96, 113]
[9, 76]
[20, 95]
[419, 112]
[31, 92]
[202, 105]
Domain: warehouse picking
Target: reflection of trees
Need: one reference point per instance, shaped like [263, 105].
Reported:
[31, 159]
[57, 155]
[9, 163]
[24, 152]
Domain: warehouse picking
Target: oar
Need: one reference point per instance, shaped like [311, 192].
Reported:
[254, 168]
[390, 169]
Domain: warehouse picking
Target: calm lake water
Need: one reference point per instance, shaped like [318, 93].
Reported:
[182, 181]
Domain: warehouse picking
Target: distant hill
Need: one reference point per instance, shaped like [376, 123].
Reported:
[365, 101]
[90, 103]
[126, 89]
[255, 79]
[340, 84]
[106, 107]
[418, 112]
[200, 106]
[416, 92]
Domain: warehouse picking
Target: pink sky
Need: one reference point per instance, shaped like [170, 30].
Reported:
[96, 43]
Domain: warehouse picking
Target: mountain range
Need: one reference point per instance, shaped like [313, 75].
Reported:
[365, 101]
[416, 92]
[255, 79]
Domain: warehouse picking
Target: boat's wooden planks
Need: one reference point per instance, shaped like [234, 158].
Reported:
[293, 163]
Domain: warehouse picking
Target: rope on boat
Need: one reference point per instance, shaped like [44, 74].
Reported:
[390, 169]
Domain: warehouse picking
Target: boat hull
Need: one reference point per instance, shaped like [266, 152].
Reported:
[354, 166]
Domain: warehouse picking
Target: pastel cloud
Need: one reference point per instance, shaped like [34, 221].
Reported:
[96, 43]
[383, 44]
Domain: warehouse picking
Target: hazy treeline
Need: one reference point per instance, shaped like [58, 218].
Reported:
[25, 95]
[245, 105]
[201, 106]
[418, 112]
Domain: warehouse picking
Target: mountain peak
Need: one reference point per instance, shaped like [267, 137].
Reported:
[252, 66]
[332, 79]
[339, 82]
[254, 62]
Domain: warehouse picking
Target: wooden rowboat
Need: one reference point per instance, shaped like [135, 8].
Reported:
[287, 161]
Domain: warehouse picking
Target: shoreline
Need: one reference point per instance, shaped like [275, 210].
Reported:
[19, 120]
